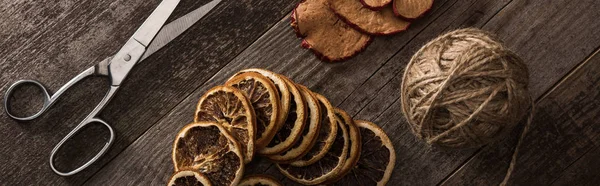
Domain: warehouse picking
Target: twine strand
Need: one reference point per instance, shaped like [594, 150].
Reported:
[513, 161]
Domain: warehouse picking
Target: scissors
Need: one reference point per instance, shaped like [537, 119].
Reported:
[148, 38]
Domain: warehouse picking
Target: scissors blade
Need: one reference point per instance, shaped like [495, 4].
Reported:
[146, 33]
[177, 27]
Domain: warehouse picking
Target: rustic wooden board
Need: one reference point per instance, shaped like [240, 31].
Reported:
[157, 104]
[584, 171]
[432, 169]
[54, 49]
[568, 27]
[273, 51]
[564, 128]
[437, 163]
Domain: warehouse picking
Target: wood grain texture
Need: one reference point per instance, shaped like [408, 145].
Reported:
[48, 42]
[434, 165]
[420, 164]
[565, 127]
[566, 33]
[160, 95]
[274, 51]
[60, 47]
[583, 172]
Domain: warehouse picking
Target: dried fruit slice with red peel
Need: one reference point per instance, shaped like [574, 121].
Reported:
[292, 128]
[375, 5]
[230, 108]
[282, 90]
[377, 159]
[188, 177]
[354, 143]
[382, 22]
[324, 169]
[209, 148]
[309, 134]
[259, 180]
[326, 136]
[328, 37]
[411, 9]
[261, 92]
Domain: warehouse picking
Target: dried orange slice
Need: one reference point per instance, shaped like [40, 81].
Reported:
[259, 180]
[324, 169]
[310, 132]
[261, 92]
[229, 107]
[292, 128]
[188, 177]
[282, 90]
[326, 136]
[354, 143]
[209, 148]
[377, 159]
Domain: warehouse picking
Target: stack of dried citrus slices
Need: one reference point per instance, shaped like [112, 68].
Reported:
[338, 29]
[259, 113]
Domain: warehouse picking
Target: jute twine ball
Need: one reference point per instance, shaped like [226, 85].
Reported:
[464, 89]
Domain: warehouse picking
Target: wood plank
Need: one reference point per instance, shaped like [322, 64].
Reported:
[279, 50]
[564, 128]
[47, 42]
[583, 172]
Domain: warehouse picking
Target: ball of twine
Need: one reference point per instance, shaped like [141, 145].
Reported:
[464, 89]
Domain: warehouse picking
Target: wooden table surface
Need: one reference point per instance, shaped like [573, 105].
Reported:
[52, 41]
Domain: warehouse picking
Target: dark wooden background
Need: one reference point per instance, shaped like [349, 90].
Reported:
[52, 41]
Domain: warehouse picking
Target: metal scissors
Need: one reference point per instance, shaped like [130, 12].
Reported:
[149, 37]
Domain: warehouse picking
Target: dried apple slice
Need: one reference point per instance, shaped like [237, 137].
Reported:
[324, 169]
[261, 92]
[382, 22]
[328, 37]
[326, 136]
[209, 148]
[292, 128]
[411, 9]
[259, 180]
[377, 160]
[375, 4]
[309, 134]
[188, 177]
[230, 108]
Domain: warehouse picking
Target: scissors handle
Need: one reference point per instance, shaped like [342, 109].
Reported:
[49, 100]
[91, 118]
[75, 131]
